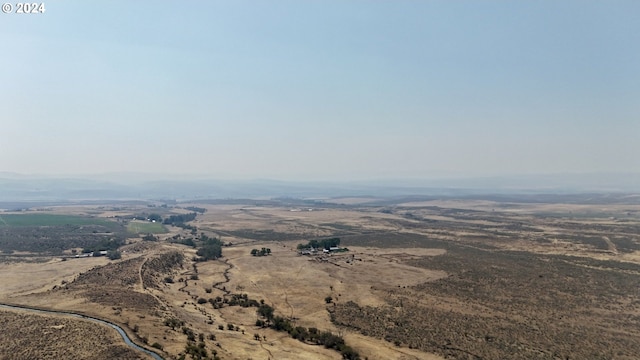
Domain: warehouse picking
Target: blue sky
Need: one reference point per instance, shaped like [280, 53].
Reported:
[306, 90]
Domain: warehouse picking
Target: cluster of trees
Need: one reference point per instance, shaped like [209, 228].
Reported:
[235, 300]
[177, 239]
[198, 351]
[196, 209]
[187, 241]
[267, 318]
[179, 219]
[150, 237]
[243, 300]
[320, 244]
[114, 254]
[210, 249]
[192, 228]
[173, 323]
[195, 351]
[261, 252]
[104, 244]
[311, 335]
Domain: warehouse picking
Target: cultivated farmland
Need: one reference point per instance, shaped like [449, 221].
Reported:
[146, 227]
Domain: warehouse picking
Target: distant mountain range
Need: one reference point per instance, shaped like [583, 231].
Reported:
[130, 186]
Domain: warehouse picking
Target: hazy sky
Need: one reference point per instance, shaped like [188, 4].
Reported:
[321, 89]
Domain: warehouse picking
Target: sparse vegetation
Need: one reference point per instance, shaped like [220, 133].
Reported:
[543, 287]
[173, 323]
[197, 352]
[539, 286]
[22, 338]
[309, 335]
[53, 234]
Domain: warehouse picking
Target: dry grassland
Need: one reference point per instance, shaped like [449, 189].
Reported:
[430, 280]
[29, 336]
[22, 278]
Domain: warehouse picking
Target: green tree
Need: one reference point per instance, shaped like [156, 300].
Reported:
[265, 311]
[149, 237]
[114, 254]
[210, 252]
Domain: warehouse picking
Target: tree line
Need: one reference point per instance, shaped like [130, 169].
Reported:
[320, 244]
[303, 334]
[179, 219]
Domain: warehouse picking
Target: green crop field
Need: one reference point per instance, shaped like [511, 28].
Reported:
[145, 227]
[12, 220]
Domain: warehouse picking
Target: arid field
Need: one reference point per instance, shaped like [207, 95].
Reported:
[504, 278]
